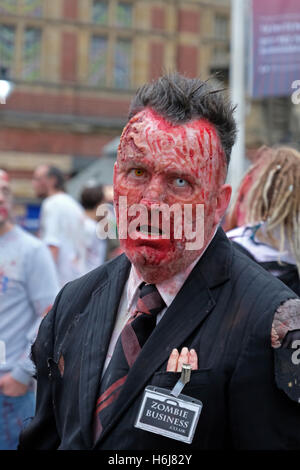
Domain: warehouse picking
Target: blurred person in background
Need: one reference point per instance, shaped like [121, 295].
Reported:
[91, 197]
[28, 286]
[236, 214]
[267, 214]
[61, 223]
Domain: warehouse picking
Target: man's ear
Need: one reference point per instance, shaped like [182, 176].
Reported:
[50, 182]
[223, 199]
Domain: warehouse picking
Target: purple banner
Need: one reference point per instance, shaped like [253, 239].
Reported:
[275, 47]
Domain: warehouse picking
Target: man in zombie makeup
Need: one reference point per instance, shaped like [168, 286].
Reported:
[181, 296]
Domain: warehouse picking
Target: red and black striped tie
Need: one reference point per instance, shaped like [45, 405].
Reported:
[132, 338]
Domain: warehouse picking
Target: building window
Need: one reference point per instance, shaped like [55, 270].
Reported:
[32, 8]
[221, 55]
[8, 6]
[100, 11]
[98, 60]
[31, 54]
[124, 14]
[221, 27]
[122, 65]
[7, 47]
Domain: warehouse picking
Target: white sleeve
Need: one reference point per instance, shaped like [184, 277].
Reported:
[50, 224]
[42, 287]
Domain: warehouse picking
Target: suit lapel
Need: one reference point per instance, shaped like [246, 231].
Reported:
[102, 310]
[194, 302]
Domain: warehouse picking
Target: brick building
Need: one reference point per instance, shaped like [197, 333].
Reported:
[76, 63]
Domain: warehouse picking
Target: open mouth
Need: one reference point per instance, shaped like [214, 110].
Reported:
[149, 230]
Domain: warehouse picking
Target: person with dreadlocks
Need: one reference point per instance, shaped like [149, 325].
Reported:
[268, 213]
[236, 214]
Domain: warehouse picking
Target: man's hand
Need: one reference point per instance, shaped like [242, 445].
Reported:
[185, 357]
[11, 387]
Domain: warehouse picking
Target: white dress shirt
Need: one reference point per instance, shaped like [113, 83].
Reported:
[168, 290]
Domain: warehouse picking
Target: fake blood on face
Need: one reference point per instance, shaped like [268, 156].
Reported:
[3, 212]
[160, 162]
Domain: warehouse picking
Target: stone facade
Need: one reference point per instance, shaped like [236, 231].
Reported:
[76, 64]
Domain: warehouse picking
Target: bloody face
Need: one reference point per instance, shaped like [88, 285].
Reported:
[5, 198]
[162, 163]
[241, 208]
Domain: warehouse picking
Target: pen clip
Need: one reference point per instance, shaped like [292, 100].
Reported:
[184, 379]
[185, 373]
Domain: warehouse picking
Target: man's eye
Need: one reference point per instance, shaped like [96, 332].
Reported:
[180, 182]
[138, 172]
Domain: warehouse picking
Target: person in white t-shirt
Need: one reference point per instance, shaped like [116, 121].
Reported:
[28, 286]
[61, 223]
[91, 197]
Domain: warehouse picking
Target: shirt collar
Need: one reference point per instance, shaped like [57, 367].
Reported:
[169, 288]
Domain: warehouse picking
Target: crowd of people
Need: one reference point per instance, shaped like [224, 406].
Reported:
[32, 271]
[69, 227]
[245, 298]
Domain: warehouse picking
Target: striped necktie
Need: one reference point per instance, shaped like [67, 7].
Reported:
[132, 338]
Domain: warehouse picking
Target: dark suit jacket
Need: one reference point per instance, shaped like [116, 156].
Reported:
[224, 311]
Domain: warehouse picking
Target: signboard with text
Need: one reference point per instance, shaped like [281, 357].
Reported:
[275, 47]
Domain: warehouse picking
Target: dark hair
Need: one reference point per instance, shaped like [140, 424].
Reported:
[180, 99]
[57, 174]
[91, 196]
